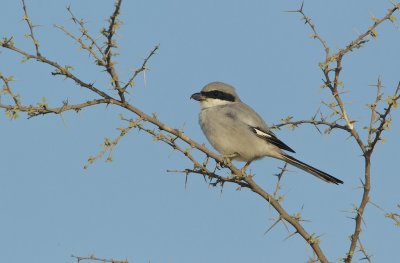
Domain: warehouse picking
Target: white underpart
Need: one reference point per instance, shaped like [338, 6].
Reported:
[262, 133]
[207, 103]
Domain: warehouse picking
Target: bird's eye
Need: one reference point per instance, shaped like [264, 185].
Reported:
[216, 94]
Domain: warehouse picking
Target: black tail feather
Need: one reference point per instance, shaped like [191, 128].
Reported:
[312, 170]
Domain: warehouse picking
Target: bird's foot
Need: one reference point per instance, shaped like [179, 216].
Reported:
[227, 159]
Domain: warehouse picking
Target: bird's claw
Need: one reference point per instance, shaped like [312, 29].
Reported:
[228, 158]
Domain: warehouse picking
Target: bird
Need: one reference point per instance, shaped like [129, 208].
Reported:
[238, 132]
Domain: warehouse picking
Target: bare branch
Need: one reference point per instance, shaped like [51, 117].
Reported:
[85, 31]
[113, 25]
[362, 249]
[7, 89]
[141, 69]
[60, 70]
[41, 109]
[89, 49]
[29, 23]
[279, 176]
[110, 44]
[108, 145]
[361, 39]
[94, 258]
[373, 108]
[315, 35]
[212, 175]
[291, 220]
[333, 85]
[331, 125]
[392, 102]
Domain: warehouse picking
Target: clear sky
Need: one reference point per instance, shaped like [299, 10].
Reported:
[50, 207]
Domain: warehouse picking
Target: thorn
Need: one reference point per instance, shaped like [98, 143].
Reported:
[273, 225]
[186, 180]
[289, 236]
[300, 10]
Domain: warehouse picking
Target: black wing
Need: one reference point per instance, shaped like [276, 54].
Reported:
[270, 137]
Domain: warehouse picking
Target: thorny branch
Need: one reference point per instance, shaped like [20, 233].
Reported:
[94, 258]
[31, 34]
[374, 112]
[315, 35]
[279, 177]
[362, 249]
[92, 52]
[59, 70]
[143, 68]
[392, 102]
[109, 34]
[175, 138]
[85, 32]
[322, 122]
[7, 90]
[333, 64]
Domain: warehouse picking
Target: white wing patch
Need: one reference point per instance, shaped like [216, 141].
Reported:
[261, 133]
[270, 137]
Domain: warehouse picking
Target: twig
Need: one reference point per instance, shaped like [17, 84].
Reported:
[206, 172]
[7, 89]
[89, 49]
[29, 23]
[331, 125]
[362, 249]
[34, 111]
[314, 243]
[373, 107]
[392, 102]
[110, 43]
[84, 30]
[279, 176]
[60, 70]
[94, 258]
[316, 35]
[141, 69]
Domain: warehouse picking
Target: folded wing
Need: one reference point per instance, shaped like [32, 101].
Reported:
[271, 138]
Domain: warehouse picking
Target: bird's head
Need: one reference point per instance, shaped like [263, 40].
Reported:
[216, 94]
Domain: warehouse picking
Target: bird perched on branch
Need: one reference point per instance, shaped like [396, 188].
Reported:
[236, 131]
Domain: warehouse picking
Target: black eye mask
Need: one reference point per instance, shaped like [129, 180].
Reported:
[216, 94]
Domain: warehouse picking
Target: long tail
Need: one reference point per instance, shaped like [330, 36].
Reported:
[309, 169]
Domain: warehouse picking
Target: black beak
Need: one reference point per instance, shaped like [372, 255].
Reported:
[197, 96]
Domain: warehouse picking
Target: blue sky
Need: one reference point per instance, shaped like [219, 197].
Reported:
[132, 208]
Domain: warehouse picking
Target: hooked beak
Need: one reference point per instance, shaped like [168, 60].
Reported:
[197, 96]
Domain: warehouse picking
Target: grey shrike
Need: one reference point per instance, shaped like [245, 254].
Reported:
[238, 132]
